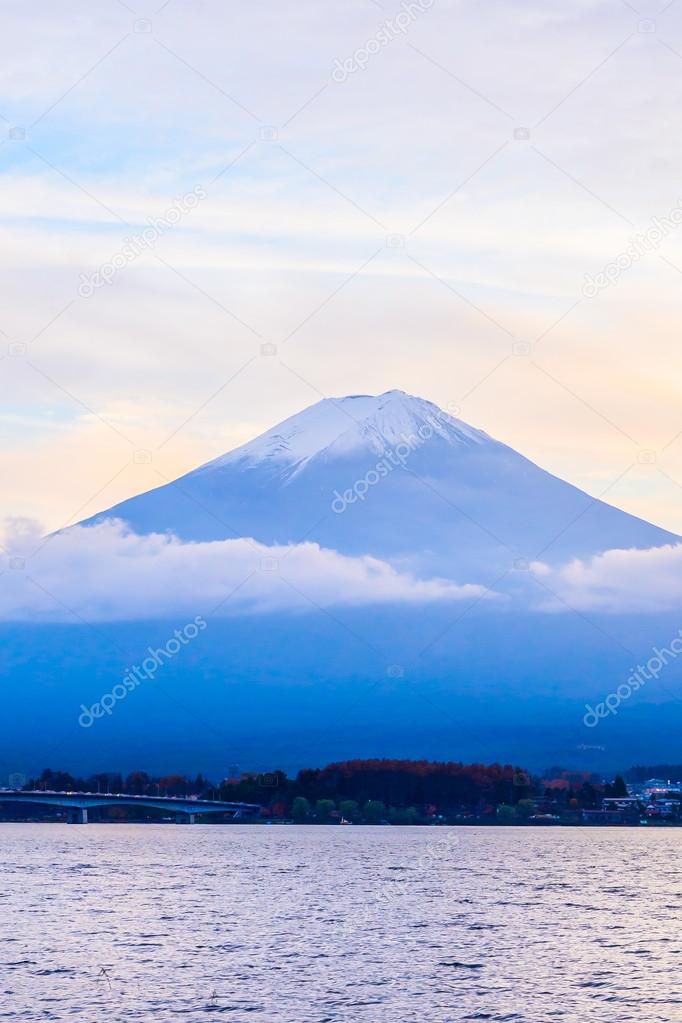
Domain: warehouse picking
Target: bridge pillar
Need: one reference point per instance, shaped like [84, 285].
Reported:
[77, 815]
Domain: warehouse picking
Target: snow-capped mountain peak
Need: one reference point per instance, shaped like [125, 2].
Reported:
[450, 501]
[339, 426]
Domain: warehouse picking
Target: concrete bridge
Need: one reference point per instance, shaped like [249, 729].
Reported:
[77, 804]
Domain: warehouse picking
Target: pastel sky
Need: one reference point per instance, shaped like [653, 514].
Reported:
[424, 222]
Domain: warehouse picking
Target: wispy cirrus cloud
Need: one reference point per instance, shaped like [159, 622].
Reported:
[240, 102]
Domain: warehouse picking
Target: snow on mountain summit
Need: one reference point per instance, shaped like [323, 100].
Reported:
[449, 500]
[338, 426]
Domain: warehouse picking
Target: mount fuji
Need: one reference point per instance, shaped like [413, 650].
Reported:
[421, 502]
[395, 477]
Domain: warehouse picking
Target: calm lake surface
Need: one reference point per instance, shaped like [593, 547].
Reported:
[298, 924]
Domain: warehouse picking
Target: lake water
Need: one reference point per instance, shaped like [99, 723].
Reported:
[298, 924]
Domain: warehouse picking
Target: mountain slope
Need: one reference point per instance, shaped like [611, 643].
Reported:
[393, 476]
[390, 476]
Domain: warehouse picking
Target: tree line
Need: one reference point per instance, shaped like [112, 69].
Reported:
[370, 791]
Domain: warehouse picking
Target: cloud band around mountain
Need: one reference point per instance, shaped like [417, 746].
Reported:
[108, 573]
[617, 581]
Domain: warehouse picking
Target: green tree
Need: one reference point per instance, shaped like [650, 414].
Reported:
[402, 815]
[506, 814]
[525, 808]
[348, 809]
[373, 811]
[323, 810]
[300, 809]
[619, 787]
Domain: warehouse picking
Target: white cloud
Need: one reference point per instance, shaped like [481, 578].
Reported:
[106, 573]
[617, 581]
